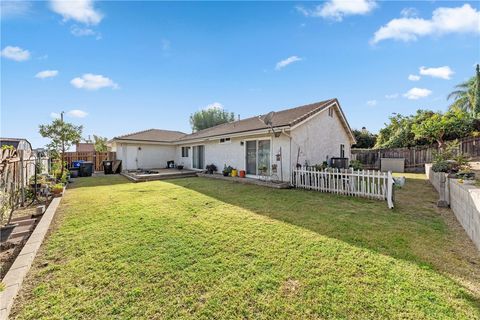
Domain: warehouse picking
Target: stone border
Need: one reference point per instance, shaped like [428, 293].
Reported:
[19, 269]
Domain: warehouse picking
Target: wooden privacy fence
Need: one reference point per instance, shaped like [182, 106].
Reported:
[96, 157]
[415, 157]
[364, 183]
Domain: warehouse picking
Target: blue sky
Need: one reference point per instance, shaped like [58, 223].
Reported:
[119, 67]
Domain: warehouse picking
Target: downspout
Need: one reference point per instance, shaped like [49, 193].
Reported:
[289, 153]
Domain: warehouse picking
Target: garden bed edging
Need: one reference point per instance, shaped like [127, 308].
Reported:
[18, 270]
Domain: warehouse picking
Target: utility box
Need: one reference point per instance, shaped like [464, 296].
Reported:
[392, 164]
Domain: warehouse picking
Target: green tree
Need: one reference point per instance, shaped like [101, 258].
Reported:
[365, 139]
[467, 95]
[398, 133]
[441, 127]
[100, 143]
[209, 118]
[62, 136]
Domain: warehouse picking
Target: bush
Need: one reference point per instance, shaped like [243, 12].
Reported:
[449, 159]
[211, 168]
[356, 165]
[441, 166]
[227, 170]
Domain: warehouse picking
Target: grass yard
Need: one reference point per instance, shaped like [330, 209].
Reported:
[209, 249]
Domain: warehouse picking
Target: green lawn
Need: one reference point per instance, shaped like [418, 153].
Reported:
[207, 249]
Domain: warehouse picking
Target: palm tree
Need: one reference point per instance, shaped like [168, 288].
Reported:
[467, 95]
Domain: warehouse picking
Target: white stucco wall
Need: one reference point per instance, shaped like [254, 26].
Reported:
[233, 153]
[318, 138]
[149, 156]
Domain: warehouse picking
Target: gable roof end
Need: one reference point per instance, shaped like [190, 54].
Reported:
[152, 135]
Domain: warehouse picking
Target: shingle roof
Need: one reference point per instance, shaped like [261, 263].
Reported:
[156, 135]
[288, 117]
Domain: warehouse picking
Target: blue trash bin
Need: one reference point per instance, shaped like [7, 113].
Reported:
[76, 164]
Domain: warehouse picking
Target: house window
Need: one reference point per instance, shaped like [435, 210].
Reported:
[342, 151]
[224, 140]
[330, 112]
[185, 152]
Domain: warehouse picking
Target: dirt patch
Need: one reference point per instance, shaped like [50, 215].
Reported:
[290, 287]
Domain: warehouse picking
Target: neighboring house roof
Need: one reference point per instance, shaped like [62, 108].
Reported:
[15, 142]
[85, 147]
[155, 135]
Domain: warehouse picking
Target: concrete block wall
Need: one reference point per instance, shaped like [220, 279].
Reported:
[434, 178]
[465, 204]
[464, 200]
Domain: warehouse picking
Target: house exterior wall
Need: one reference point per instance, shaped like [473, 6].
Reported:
[318, 138]
[233, 153]
[149, 156]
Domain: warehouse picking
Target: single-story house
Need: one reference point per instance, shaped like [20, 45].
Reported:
[276, 142]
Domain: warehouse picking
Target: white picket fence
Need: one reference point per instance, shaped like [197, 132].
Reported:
[370, 184]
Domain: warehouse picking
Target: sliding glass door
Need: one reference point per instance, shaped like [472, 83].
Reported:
[198, 157]
[257, 157]
[251, 160]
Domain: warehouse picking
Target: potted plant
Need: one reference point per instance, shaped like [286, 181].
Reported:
[242, 173]
[180, 167]
[211, 168]
[226, 171]
[57, 189]
[234, 172]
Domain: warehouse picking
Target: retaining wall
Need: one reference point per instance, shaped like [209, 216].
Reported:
[464, 200]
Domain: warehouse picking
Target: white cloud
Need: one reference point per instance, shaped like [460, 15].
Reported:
[372, 103]
[79, 10]
[409, 12]
[392, 96]
[90, 81]
[441, 72]
[215, 105]
[417, 93]
[76, 113]
[413, 77]
[337, 9]
[46, 74]
[463, 19]
[15, 53]
[55, 115]
[286, 62]
[14, 8]
[84, 32]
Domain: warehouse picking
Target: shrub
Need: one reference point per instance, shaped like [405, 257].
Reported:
[356, 165]
[441, 166]
[211, 168]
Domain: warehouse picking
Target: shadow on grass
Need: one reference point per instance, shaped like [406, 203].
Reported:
[98, 181]
[413, 231]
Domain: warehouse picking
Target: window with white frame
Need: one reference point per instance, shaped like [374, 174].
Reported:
[185, 152]
[224, 140]
[342, 151]
[330, 112]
